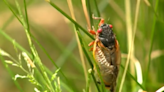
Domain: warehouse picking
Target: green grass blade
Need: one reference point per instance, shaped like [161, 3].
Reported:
[102, 5]
[43, 49]
[34, 52]
[54, 41]
[97, 9]
[67, 16]
[129, 74]
[16, 44]
[13, 11]
[26, 15]
[84, 50]
[71, 46]
[89, 11]
[62, 83]
[151, 44]
[11, 74]
[7, 22]
[88, 80]
[89, 60]
[58, 45]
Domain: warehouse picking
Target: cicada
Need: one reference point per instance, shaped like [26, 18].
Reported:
[106, 53]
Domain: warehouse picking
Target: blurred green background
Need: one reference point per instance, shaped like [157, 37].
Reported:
[56, 35]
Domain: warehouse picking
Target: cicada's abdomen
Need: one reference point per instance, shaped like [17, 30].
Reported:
[101, 58]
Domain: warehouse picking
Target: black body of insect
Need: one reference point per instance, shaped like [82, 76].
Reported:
[107, 36]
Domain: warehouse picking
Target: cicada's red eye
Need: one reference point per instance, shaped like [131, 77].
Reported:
[110, 26]
[99, 30]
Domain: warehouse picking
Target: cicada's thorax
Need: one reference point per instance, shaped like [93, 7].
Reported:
[106, 36]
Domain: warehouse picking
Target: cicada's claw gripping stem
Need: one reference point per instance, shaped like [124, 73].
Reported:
[101, 21]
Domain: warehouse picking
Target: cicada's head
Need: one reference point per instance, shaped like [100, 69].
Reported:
[106, 35]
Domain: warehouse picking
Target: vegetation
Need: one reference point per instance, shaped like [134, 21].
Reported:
[43, 44]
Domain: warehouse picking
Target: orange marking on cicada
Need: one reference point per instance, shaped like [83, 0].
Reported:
[101, 22]
[107, 84]
[92, 32]
[117, 53]
[91, 49]
[91, 43]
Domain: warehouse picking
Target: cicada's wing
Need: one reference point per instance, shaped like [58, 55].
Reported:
[108, 62]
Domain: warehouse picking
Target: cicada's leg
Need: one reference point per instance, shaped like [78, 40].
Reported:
[101, 21]
[91, 49]
[91, 43]
[101, 45]
[95, 48]
[92, 32]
